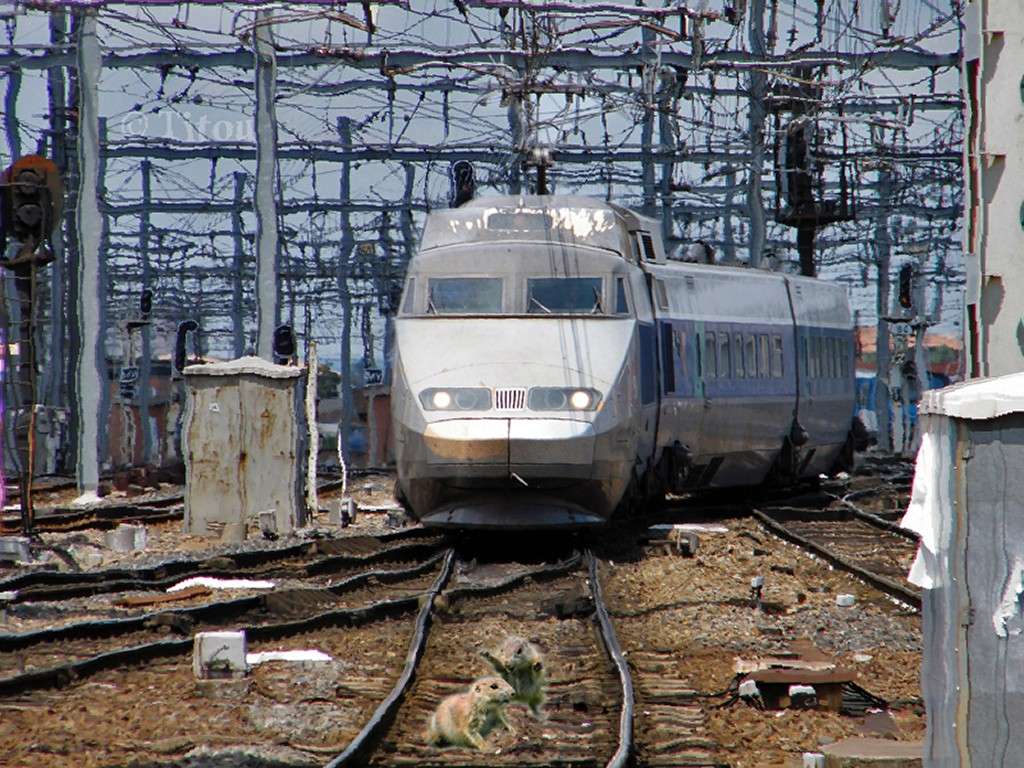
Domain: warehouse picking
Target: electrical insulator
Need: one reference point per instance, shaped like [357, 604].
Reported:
[146, 303]
[906, 280]
[463, 180]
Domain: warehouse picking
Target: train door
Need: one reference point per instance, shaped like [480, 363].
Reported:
[647, 369]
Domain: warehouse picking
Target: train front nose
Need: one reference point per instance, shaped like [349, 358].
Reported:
[500, 447]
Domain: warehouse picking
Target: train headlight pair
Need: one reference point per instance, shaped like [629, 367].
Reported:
[456, 399]
[563, 399]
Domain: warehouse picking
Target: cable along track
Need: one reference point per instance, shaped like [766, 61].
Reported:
[877, 553]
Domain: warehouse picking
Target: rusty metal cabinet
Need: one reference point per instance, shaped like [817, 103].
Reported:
[244, 439]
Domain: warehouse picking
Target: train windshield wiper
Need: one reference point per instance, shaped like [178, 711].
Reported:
[431, 309]
[598, 304]
[533, 300]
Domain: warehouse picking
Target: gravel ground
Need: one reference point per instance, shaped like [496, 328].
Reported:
[700, 610]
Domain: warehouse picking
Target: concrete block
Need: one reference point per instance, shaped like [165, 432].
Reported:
[268, 523]
[15, 548]
[814, 760]
[126, 538]
[748, 689]
[219, 655]
[860, 752]
[5, 599]
[233, 533]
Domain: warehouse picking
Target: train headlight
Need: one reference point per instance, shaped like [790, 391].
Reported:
[580, 400]
[563, 399]
[456, 399]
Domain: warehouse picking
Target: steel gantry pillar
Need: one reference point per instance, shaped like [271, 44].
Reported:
[91, 358]
[267, 242]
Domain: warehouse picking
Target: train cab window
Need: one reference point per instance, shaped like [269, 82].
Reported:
[648, 242]
[750, 355]
[763, 367]
[621, 303]
[464, 295]
[410, 296]
[661, 294]
[776, 356]
[724, 358]
[547, 295]
[710, 370]
[737, 345]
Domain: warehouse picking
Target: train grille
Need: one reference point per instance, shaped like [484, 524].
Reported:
[511, 399]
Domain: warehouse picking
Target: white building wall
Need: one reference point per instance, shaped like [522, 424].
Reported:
[994, 174]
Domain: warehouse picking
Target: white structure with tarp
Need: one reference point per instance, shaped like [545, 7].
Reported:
[244, 442]
[967, 506]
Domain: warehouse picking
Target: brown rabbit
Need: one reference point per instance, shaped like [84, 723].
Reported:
[521, 665]
[464, 719]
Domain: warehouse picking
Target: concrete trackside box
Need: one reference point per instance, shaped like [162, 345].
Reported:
[244, 440]
[967, 504]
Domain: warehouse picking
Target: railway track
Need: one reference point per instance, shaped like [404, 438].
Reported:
[298, 560]
[52, 656]
[155, 508]
[552, 607]
[873, 549]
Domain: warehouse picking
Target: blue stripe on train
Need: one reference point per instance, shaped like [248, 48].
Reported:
[683, 377]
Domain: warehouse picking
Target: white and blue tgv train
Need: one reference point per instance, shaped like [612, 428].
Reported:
[552, 366]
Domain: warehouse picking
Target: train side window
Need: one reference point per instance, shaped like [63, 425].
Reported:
[724, 358]
[750, 355]
[844, 359]
[812, 358]
[661, 294]
[804, 365]
[621, 304]
[410, 296]
[710, 366]
[833, 360]
[763, 367]
[776, 356]
[680, 341]
[737, 345]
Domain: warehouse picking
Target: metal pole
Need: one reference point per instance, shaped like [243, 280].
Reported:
[758, 83]
[53, 371]
[89, 372]
[267, 244]
[647, 129]
[344, 259]
[11, 123]
[238, 264]
[145, 418]
[882, 256]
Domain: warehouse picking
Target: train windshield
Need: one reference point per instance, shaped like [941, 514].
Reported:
[464, 295]
[548, 295]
